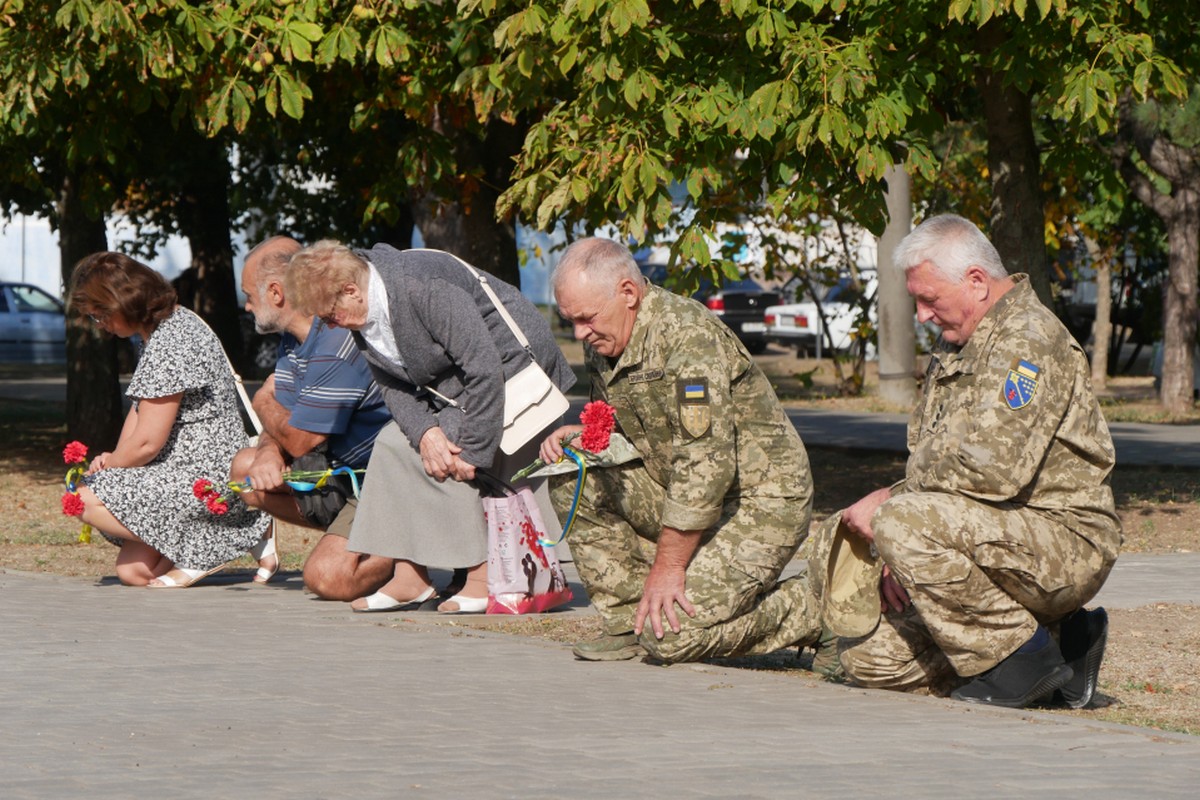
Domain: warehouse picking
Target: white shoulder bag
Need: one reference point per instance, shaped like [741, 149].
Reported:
[531, 400]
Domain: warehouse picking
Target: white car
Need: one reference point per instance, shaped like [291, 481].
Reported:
[32, 326]
[799, 325]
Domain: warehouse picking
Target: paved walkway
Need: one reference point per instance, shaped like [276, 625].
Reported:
[231, 690]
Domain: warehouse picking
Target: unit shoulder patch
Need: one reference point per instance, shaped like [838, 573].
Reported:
[1020, 384]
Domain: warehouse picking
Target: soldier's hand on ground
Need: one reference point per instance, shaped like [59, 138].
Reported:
[892, 596]
[857, 518]
[437, 454]
[552, 447]
[266, 471]
[663, 590]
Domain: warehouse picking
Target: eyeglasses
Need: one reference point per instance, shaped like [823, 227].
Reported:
[327, 317]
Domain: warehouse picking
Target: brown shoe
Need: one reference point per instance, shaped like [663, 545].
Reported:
[621, 647]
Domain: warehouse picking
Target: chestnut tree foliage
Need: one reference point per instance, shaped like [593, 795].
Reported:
[785, 107]
[466, 114]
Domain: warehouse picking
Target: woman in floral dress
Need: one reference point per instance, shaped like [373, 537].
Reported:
[184, 425]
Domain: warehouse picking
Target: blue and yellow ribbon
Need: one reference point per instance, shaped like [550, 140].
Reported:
[577, 457]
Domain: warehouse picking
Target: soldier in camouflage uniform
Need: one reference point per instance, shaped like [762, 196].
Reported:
[722, 495]
[1005, 520]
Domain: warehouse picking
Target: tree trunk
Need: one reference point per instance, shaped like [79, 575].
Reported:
[1018, 222]
[897, 338]
[1179, 301]
[467, 226]
[208, 286]
[94, 410]
[1179, 209]
[1102, 324]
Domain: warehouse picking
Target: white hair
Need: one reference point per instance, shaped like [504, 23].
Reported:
[952, 245]
[603, 262]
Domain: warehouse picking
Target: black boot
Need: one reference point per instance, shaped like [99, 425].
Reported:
[1020, 679]
[1082, 640]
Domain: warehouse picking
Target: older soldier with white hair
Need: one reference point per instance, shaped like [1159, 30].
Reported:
[681, 551]
[1004, 523]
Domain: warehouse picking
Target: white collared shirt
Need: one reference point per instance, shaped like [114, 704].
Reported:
[378, 328]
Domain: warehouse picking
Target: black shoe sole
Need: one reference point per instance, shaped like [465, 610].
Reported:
[1055, 680]
[1079, 691]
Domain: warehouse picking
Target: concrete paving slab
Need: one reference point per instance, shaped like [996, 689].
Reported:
[231, 690]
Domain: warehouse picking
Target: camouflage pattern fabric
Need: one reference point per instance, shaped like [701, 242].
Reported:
[718, 455]
[981, 577]
[1005, 517]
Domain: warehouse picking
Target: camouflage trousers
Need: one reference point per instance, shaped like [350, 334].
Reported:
[732, 580]
[981, 578]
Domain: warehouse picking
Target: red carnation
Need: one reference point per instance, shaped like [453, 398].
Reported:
[202, 488]
[72, 505]
[598, 421]
[74, 453]
[216, 504]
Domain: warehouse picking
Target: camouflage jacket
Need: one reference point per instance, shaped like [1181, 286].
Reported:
[703, 416]
[1010, 419]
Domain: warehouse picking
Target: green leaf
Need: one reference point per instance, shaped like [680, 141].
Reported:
[270, 95]
[310, 31]
[568, 59]
[550, 208]
[296, 47]
[580, 189]
[671, 121]
[633, 89]
[525, 62]
[651, 172]
[243, 97]
[629, 177]
[292, 94]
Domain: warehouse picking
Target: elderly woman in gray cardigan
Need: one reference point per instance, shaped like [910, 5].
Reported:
[424, 323]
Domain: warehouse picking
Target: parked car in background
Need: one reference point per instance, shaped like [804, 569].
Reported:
[799, 324]
[33, 327]
[739, 304]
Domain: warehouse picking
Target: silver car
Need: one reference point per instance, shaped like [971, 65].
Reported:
[32, 326]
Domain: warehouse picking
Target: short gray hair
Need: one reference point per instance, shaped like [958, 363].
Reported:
[273, 263]
[603, 261]
[952, 245]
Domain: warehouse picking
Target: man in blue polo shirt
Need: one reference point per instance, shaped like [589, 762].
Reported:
[320, 409]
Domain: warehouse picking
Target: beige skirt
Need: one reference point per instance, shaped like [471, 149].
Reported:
[403, 513]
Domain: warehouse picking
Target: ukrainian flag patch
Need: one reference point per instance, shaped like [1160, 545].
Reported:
[692, 390]
[695, 414]
[1021, 384]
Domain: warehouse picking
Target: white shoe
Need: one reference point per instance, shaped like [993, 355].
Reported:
[466, 605]
[384, 602]
[263, 550]
[187, 577]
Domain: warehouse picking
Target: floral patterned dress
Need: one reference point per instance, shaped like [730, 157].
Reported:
[155, 501]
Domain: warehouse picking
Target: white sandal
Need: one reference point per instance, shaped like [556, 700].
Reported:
[265, 549]
[466, 605]
[190, 577]
[385, 602]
